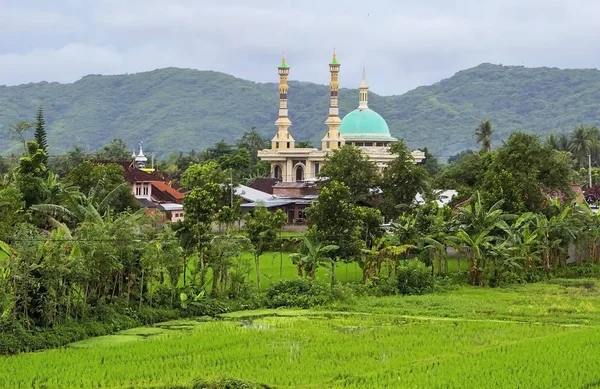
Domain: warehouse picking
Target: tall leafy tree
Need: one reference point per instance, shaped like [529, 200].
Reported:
[115, 150]
[40, 132]
[401, 181]
[580, 144]
[524, 172]
[18, 131]
[253, 142]
[335, 220]
[483, 135]
[352, 167]
[262, 228]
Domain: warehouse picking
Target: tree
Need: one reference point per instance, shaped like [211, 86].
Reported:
[430, 163]
[335, 220]
[204, 175]
[312, 255]
[253, 142]
[19, 129]
[304, 144]
[477, 224]
[262, 228]
[352, 167]
[401, 181]
[580, 144]
[523, 173]
[31, 173]
[40, 132]
[483, 135]
[97, 180]
[458, 157]
[116, 150]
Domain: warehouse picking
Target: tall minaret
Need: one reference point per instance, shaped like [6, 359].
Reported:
[363, 93]
[283, 139]
[333, 139]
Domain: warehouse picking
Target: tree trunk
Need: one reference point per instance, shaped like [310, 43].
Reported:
[141, 290]
[257, 265]
[215, 281]
[185, 262]
[202, 269]
[281, 266]
[332, 273]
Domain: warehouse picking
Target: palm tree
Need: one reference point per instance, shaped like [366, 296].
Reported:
[476, 232]
[483, 135]
[313, 255]
[580, 144]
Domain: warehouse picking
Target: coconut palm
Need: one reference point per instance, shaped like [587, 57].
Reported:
[580, 144]
[483, 135]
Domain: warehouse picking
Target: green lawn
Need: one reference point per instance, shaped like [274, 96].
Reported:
[275, 266]
[543, 335]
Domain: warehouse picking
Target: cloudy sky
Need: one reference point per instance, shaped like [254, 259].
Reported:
[403, 43]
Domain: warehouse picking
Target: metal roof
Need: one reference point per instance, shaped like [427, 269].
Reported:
[170, 207]
[251, 194]
[268, 204]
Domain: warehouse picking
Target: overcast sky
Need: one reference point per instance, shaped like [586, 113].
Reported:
[403, 43]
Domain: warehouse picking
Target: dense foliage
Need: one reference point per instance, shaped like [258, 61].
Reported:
[210, 106]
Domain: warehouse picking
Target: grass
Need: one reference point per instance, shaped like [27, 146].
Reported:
[534, 336]
[275, 266]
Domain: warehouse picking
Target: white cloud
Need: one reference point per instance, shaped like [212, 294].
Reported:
[404, 43]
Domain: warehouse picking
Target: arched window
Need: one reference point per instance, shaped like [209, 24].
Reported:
[299, 173]
[277, 172]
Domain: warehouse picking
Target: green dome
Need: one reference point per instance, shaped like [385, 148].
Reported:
[365, 124]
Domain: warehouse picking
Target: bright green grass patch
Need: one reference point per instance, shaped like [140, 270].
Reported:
[534, 336]
[276, 266]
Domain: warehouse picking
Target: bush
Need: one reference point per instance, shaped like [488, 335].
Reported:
[414, 278]
[226, 383]
[299, 293]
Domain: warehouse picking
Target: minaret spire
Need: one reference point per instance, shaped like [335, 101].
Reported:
[333, 138]
[283, 139]
[363, 92]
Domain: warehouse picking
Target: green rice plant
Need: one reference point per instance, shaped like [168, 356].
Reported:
[468, 338]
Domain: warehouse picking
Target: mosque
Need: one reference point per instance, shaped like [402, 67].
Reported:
[362, 127]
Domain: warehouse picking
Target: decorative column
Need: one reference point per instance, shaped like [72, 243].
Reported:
[333, 139]
[283, 139]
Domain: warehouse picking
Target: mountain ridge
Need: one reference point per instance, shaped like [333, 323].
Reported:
[179, 109]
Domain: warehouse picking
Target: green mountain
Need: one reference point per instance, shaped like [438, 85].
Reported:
[181, 109]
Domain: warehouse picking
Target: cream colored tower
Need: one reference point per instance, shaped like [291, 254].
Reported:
[333, 139]
[283, 139]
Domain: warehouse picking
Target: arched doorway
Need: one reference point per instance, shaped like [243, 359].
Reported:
[299, 173]
[277, 172]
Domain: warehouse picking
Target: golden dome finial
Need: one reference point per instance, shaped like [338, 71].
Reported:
[334, 61]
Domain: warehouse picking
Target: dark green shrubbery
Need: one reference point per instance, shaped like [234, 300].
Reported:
[413, 278]
[105, 320]
[227, 383]
[298, 293]
[223, 383]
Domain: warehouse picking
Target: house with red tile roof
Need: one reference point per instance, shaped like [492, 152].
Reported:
[151, 189]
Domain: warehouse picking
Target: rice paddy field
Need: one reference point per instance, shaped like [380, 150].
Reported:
[543, 335]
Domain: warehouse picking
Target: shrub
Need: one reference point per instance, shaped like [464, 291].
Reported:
[227, 383]
[413, 278]
[299, 293]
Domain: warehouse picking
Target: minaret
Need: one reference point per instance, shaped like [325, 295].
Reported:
[333, 139]
[363, 93]
[283, 139]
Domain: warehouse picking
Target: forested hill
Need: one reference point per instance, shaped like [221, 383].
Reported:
[181, 109]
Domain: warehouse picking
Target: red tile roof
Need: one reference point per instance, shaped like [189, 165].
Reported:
[164, 193]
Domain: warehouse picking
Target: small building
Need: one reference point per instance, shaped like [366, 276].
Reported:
[151, 189]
